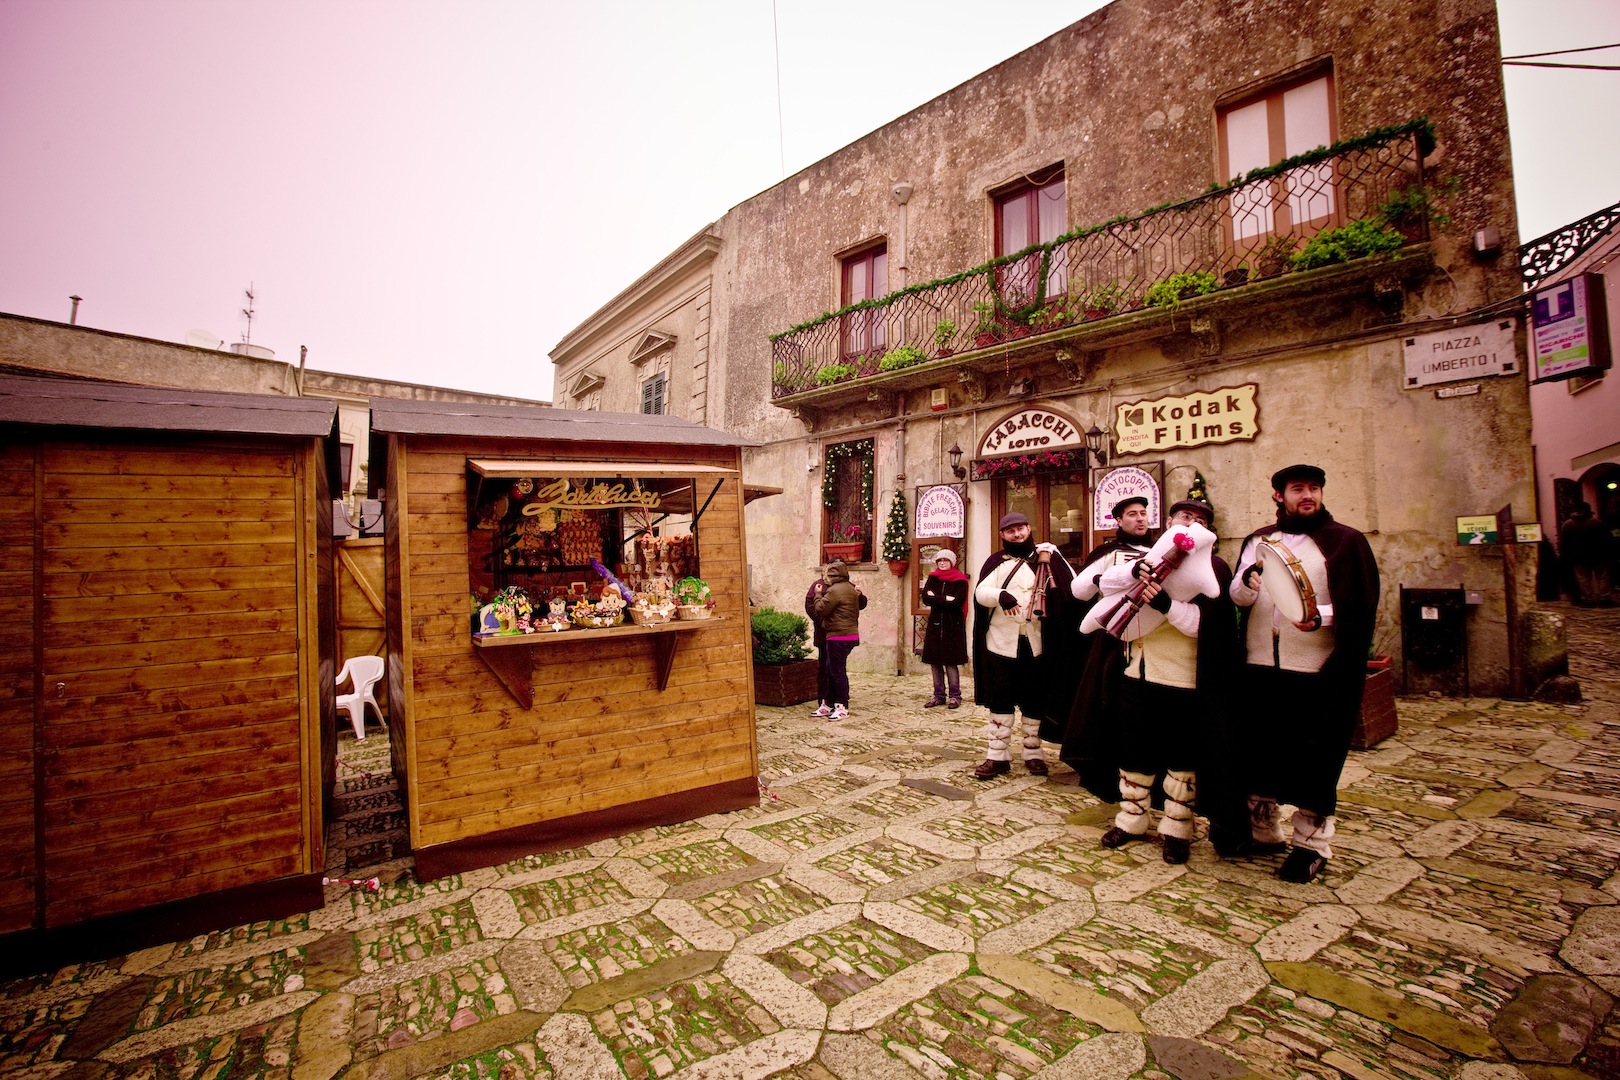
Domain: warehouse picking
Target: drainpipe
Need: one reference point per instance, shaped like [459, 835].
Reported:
[73, 316]
[903, 616]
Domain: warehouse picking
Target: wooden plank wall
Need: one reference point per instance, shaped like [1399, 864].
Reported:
[360, 605]
[18, 878]
[172, 716]
[600, 734]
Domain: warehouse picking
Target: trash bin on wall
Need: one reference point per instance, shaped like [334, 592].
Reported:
[1434, 641]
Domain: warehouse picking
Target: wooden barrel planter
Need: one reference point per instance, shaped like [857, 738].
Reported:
[176, 611]
[782, 685]
[511, 743]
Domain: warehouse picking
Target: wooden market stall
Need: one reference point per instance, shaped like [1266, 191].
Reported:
[165, 656]
[511, 743]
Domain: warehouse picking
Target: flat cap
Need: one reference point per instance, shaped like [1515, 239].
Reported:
[1308, 473]
[1014, 518]
[1120, 506]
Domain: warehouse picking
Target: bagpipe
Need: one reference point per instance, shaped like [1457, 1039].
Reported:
[1182, 562]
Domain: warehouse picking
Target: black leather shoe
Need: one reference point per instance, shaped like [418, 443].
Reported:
[1176, 850]
[933, 702]
[1301, 866]
[954, 703]
[1232, 845]
[1117, 837]
[1037, 767]
[988, 769]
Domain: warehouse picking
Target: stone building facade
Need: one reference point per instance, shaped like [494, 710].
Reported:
[1123, 221]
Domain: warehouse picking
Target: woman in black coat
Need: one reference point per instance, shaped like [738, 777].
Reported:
[945, 594]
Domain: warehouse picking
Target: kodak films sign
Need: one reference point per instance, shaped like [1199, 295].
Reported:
[1229, 414]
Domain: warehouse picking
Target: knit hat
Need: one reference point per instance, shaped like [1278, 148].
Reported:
[945, 555]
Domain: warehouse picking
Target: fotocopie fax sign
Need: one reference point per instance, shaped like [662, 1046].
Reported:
[1467, 352]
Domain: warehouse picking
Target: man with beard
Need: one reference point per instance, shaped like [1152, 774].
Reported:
[1091, 737]
[1012, 599]
[1304, 680]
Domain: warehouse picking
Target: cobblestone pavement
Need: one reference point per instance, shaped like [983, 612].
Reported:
[881, 915]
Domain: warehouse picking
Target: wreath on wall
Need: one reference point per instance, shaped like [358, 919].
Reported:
[862, 452]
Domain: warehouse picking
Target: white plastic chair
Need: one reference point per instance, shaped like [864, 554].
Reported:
[364, 673]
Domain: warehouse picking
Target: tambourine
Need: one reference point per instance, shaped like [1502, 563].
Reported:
[1286, 582]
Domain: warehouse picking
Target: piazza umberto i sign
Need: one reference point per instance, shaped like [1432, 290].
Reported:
[1230, 414]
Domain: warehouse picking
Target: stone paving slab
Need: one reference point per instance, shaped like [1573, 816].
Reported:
[881, 915]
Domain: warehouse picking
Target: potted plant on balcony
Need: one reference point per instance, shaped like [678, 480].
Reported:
[901, 356]
[1275, 256]
[1103, 301]
[846, 543]
[944, 332]
[783, 675]
[834, 373]
[1178, 287]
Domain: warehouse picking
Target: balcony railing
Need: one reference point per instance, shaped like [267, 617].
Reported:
[1356, 198]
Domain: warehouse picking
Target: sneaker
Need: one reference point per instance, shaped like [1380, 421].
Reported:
[1117, 837]
[838, 713]
[988, 769]
[822, 710]
[933, 702]
[1301, 866]
[1036, 766]
[1176, 850]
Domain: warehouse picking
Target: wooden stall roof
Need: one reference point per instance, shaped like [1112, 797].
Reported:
[390, 415]
[84, 403]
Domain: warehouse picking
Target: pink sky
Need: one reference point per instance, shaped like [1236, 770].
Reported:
[437, 192]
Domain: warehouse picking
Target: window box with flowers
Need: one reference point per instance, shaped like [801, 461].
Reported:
[1030, 464]
[846, 542]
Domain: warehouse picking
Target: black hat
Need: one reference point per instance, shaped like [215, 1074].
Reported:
[1197, 506]
[1009, 520]
[1128, 500]
[1309, 473]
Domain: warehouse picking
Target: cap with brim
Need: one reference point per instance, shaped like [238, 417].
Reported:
[1119, 507]
[1009, 520]
[1196, 507]
[1308, 473]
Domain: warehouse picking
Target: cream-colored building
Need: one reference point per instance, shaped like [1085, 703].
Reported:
[1334, 307]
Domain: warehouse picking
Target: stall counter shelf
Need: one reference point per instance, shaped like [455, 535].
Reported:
[515, 666]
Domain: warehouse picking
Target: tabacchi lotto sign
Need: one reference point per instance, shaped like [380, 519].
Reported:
[1229, 414]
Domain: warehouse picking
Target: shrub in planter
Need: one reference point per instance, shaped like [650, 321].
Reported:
[901, 356]
[1357, 240]
[1178, 287]
[835, 373]
[783, 675]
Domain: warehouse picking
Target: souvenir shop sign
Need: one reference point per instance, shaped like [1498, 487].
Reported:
[1230, 414]
[940, 512]
[594, 496]
[1030, 430]
[1123, 483]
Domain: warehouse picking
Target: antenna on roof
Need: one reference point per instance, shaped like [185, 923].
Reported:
[248, 311]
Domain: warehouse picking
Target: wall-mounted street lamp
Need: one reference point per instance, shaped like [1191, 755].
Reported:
[956, 462]
[1094, 445]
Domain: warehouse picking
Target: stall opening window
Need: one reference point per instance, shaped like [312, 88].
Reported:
[846, 499]
[1288, 119]
[865, 277]
[1032, 211]
[653, 399]
[545, 543]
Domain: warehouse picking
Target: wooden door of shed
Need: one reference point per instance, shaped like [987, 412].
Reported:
[172, 722]
[362, 628]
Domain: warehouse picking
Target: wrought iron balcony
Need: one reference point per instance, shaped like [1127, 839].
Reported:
[1356, 199]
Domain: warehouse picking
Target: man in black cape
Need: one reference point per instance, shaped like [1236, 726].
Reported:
[1018, 611]
[1090, 736]
[1302, 681]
